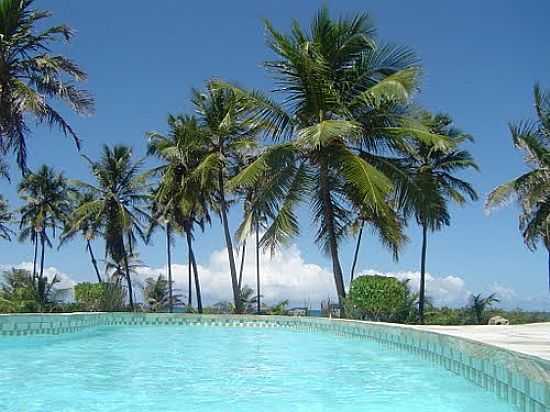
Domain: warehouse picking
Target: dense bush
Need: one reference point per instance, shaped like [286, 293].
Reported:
[104, 297]
[380, 298]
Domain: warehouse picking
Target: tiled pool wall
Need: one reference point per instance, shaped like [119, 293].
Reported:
[521, 380]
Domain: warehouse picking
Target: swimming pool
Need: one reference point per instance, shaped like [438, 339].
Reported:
[216, 368]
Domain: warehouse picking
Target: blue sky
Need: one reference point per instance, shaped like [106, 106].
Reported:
[480, 62]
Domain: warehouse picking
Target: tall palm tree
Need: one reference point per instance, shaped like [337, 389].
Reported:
[388, 226]
[264, 209]
[88, 228]
[45, 194]
[32, 77]
[343, 104]
[531, 189]
[184, 196]
[6, 218]
[162, 216]
[117, 206]
[430, 184]
[223, 118]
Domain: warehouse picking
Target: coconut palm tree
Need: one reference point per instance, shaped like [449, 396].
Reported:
[163, 218]
[88, 228]
[531, 189]
[228, 130]
[117, 206]
[45, 195]
[429, 185]
[22, 293]
[32, 77]
[343, 104]
[158, 293]
[183, 196]
[388, 226]
[6, 218]
[479, 304]
[264, 209]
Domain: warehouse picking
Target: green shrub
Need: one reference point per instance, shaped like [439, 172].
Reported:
[99, 297]
[446, 316]
[380, 298]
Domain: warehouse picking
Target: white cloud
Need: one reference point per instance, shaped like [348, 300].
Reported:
[283, 276]
[66, 281]
[505, 294]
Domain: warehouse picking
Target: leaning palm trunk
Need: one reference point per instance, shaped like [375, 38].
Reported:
[258, 268]
[43, 251]
[195, 271]
[333, 243]
[189, 277]
[94, 261]
[128, 279]
[35, 257]
[229, 246]
[169, 261]
[243, 253]
[421, 294]
[356, 253]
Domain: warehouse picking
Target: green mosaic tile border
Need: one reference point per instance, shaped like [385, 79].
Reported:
[521, 380]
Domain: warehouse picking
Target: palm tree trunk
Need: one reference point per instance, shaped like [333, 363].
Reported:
[92, 257]
[356, 253]
[169, 261]
[329, 221]
[42, 244]
[242, 264]
[421, 294]
[195, 271]
[35, 257]
[229, 246]
[189, 277]
[258, 268]
[128, 279]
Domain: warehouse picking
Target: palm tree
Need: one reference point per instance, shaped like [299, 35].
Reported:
[479, 304]
[223, 118]
[248, 299]
[31, 76]
[531, 189]
[158, 293]
[117, 205]
[46, 207]
[429, 185]
[388, 226]
[25, 294]
[253, 218]
[183, 197]
[264, 206]
[343, 105]
[162, 217]
[6, 218]
[88, 228]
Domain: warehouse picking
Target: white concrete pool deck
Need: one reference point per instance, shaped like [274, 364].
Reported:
[531, 339]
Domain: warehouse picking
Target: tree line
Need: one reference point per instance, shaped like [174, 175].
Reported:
[341, 133]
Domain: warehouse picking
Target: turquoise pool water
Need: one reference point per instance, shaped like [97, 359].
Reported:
[164, 368]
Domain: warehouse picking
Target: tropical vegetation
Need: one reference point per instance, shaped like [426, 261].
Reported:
[341, 135]
[32, 78]
[531, 189]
